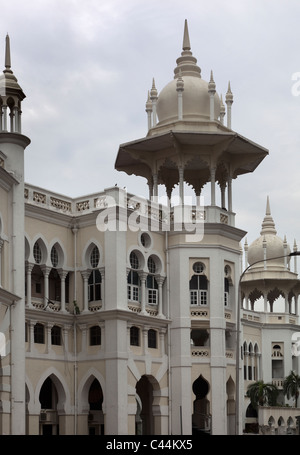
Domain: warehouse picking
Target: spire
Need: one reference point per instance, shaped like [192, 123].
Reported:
[7, 56]
[268, 225]
[186, 39]
[187, 62]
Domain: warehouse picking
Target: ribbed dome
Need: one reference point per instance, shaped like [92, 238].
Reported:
[195, 95]
[268, 239]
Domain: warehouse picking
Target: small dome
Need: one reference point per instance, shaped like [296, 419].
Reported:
[274, 245]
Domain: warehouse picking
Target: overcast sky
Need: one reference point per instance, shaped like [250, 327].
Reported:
[86, 67]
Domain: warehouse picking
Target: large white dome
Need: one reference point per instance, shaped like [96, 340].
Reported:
[196, 101]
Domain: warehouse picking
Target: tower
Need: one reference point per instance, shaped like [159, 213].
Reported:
[188, 143]
[12, 146]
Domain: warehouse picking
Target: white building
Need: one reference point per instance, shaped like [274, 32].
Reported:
[118, 314]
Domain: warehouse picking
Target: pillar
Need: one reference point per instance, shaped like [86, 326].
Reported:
[213, 186]
[85, 276]
[46, 272]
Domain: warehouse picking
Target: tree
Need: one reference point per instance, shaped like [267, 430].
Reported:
[291, 386]
[262, 394]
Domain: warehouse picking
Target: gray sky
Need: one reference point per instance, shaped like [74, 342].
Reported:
[86, 67]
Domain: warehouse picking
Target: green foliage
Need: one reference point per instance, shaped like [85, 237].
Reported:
[291, 386]
[262, 394]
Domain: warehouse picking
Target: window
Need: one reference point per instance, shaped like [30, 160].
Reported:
[198, 290]
[56, 335]
[133, 284]
[134, 336]
[152, 289]
[94, 258]
[95, 335]
[226, 291]
[198, 267]
[39, 333]
[54, 256]
[134, 262]
[94, 286]
[37, 253]
[151, 265]
[152, 339]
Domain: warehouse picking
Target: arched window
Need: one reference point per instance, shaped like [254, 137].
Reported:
[37, 253]
[94, 257]
[134, 336]
[54, 256]
[134, 261]
[198, 290]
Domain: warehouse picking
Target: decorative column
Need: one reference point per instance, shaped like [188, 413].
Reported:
[143, 277]
[181, 184]
[29, 268]
[155, 187]
[63, 276]
[229, 194]
[223, 204]
[213, 186]
[48, 337]
[265, 252]
[4, 123]
[66, 329]
[180, 88]
[83, 329]
[145, 340]
[160, 280]
[85, 276]
[46, 271]
[102, 272]
[162, 333]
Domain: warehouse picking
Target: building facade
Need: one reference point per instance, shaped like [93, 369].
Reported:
[118, 314]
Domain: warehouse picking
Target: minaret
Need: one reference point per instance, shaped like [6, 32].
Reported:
[12, 145]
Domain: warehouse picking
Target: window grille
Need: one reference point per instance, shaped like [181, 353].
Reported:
[37, 253]
[94, 258]
[54, 256]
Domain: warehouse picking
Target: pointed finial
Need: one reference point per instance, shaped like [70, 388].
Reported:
[186, 46]
[211, 85]
[268, 225]
[268, 209]
[7, 56]
[229, 95]
[153, 93]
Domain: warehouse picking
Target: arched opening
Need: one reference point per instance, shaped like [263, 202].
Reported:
[144, 417]
[48, 398]
[96, 418]
[201, 420]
